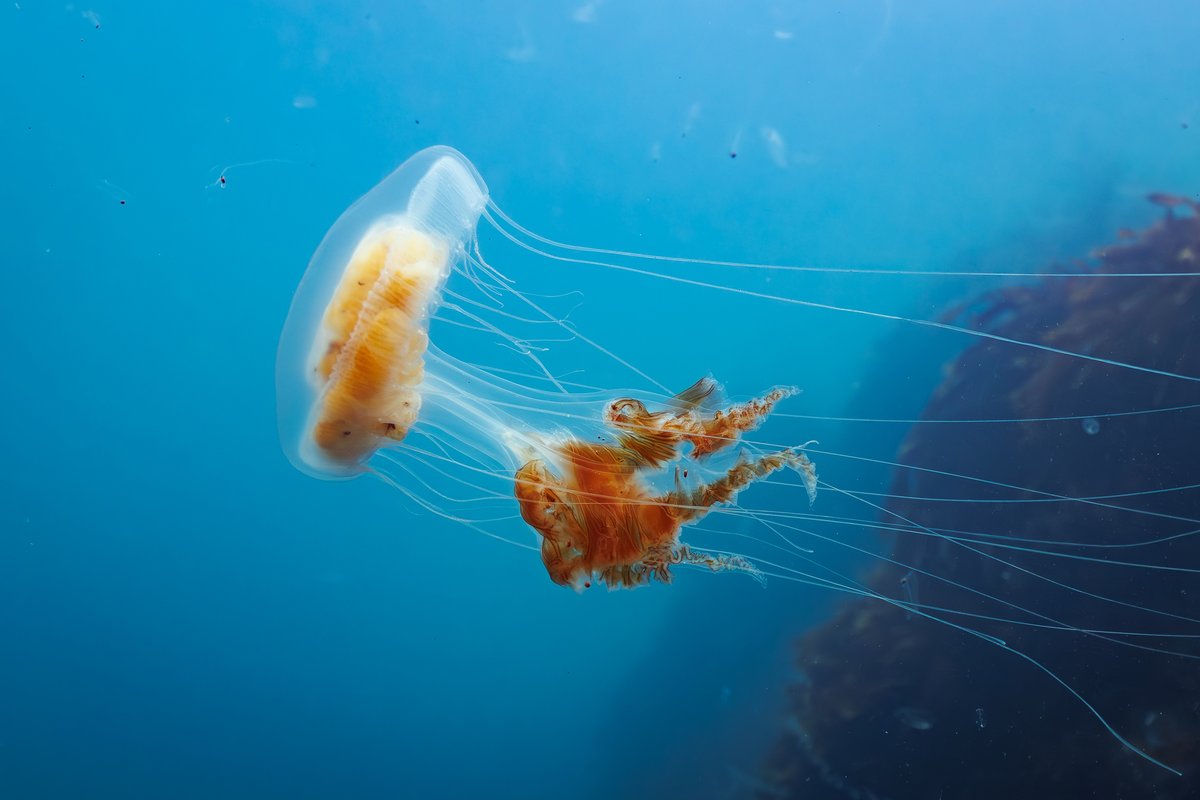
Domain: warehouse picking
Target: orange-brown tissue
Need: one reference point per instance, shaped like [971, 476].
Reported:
[598, 517]
[370, 357]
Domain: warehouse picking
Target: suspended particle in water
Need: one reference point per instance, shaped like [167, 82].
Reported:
[908, 584]
[586, 13]
[776, 147]
[1091, 426]
[222, 181]
[114, 192]
[736, 144]
[919, 719]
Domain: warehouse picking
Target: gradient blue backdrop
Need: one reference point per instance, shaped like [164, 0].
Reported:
[183, 615]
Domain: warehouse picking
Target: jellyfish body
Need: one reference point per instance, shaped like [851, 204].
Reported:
[352, 353]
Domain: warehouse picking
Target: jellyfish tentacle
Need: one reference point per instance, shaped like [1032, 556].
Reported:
[695, 504]
[597, 514]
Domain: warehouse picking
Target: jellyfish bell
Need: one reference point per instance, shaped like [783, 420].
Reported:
[351, 355]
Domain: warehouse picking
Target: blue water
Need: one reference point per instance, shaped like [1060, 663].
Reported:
[185, 615]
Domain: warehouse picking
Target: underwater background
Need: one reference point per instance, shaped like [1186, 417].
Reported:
[187, 616]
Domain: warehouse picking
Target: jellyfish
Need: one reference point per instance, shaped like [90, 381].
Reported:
[407, 355]
[357, 372]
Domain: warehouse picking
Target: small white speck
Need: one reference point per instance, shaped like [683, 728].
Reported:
[521, 55]
[587, 12]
